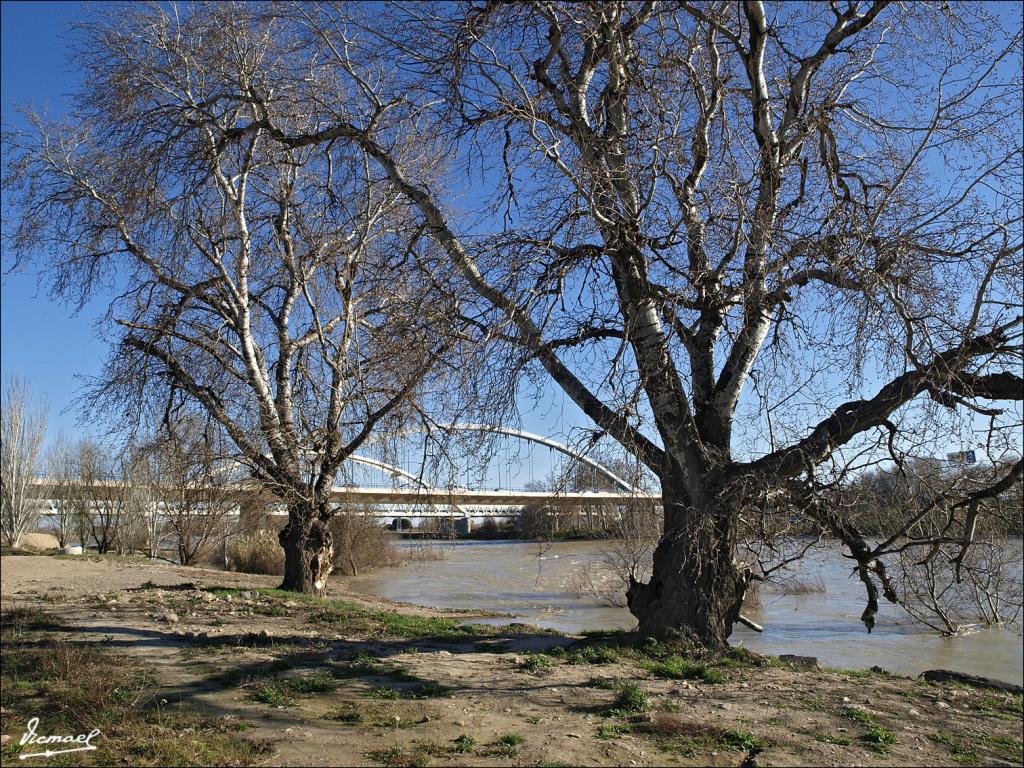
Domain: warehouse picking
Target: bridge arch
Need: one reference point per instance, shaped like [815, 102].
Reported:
[546, 441]
[399, 472]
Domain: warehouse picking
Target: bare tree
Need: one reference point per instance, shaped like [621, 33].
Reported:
[60, 470]
[269, 286]
[22, 430]
[194, 485]
[102, 495]
[763, 248]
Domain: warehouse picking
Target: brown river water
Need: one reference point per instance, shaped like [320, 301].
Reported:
[536, 583]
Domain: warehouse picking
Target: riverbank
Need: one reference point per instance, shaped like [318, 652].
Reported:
[212, 667]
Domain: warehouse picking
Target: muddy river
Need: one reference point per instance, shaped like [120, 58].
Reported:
[539, 584]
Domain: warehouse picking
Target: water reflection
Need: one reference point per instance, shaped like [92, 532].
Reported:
[536, 583]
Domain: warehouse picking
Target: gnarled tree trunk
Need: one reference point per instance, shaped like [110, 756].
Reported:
[696, 588]
[308, 550]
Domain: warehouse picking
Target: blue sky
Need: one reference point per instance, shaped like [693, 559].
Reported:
[40, 340]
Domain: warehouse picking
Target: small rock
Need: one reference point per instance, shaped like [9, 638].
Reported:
[846, 699]
[460, 723]
[425, 719]
[170, 617]
[744, 685]
[913, 712]
[4, 739]
[942, 705]
[444, 653]
[725, 705]
[574, 736]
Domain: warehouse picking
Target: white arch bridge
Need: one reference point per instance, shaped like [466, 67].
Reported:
[430, 500]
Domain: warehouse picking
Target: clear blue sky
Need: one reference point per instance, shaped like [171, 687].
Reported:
[40, 340]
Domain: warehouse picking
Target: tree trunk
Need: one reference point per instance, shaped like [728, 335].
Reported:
[308, 549]
[696, 589]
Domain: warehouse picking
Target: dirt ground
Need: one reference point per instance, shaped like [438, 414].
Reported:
[324, 690]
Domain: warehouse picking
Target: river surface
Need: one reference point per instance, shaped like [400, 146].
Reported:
[537, 583]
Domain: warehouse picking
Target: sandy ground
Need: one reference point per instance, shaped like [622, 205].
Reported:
[161, 616]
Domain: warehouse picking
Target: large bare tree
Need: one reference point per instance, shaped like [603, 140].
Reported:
[761, 246]
[265, 285]
[22, 431]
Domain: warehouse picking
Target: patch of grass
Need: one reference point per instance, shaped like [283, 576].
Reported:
[536, 662]
[613, 730]
[397, 756]
[507, 745]
[1007, 746]
[879, 739]
[431, 690]
[22, 619]
[742, 741]
[605, 683]
[383, 692]
[962, 753]
[630, 698]
[315, 682]
[839, 740]
[270, 694]
[75, 688]
[346, 714]
[347, 617]
[860, 715]
[673, 733]
[553, 764]
[678, 668]
[463, 744]
[592, 654]
[1004, 707]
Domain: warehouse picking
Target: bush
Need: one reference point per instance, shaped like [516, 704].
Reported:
[360, 543]
[258, 552]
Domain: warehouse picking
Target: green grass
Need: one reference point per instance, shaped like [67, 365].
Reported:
[270, 694]
[613, 730]
[347, 617]
[315, 682]
[1008, 747]
[383, 692]
[678, 668]
[879, 739]
[1002, 706]
[962, 753]
[536, 662]
[430, 690]
[427, 689]
[860, 715]
[741, 741]
[587, 654]
[463, 744]
[630, 698]
[507, 745]
[395, 756]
